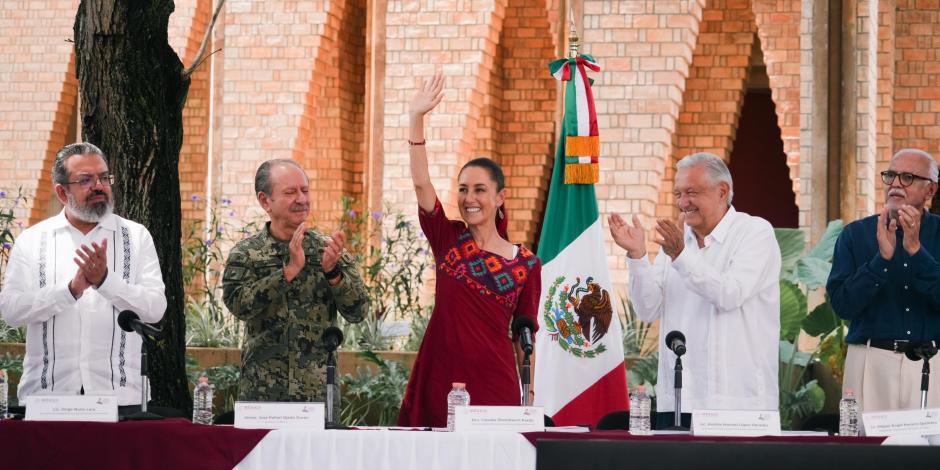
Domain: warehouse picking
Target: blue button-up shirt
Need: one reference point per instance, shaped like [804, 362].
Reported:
[896, 299]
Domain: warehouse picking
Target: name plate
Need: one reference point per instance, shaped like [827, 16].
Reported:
[904, 422]
[278, 415]
[102, 409]
[749, 423]
[499, 418]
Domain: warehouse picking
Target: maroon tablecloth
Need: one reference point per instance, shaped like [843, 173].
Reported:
[174, 444]
[624, 435]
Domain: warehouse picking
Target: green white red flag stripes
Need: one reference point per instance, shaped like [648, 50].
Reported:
[579, 367]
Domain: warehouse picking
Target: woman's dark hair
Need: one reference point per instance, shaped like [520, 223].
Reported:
[491, 167]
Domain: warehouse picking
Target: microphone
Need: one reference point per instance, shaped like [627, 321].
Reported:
[675, 341]
[332, 337]
[522, 327]
[920, 350]
[130, 321]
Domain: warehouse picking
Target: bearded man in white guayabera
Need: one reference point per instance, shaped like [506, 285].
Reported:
[70, 276]
[716, 281]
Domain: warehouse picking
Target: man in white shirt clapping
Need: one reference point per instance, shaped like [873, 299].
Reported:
[70, 276]
[716, 280]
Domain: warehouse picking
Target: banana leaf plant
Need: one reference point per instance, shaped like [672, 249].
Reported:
[803, 272]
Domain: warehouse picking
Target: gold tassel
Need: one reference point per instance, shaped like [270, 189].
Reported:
[582, 146]
[582, 173]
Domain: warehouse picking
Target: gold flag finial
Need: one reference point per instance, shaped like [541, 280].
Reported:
[574, 42]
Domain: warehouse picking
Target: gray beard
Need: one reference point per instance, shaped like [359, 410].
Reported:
[91, 213]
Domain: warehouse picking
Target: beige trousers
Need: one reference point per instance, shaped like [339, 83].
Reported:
[884, 380]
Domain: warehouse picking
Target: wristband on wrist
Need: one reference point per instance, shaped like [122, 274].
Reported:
[333, 273]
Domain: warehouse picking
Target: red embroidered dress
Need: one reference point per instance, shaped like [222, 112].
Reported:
[478, 294]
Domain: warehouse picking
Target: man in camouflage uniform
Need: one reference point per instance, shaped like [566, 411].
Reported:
[287, 283]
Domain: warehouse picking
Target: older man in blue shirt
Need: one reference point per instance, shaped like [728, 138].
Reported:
[885, 280]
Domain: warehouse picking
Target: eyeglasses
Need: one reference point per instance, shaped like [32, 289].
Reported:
[90, 181]
[906, 179]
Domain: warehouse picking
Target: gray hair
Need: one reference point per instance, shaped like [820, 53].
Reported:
[263, 175]
[932, 171]
[715, 167]
[59, 173]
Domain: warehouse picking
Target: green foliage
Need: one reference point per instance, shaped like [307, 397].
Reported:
[393, 255]
[9, 229]
[800, 273]
[374, 398]
[640, 344]
[12, 363]
[204, 247]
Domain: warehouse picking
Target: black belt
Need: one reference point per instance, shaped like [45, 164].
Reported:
[899, 346]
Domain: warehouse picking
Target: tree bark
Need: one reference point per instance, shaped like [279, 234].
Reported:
[132, 96]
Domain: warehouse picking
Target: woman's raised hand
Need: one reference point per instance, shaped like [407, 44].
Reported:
[429, 94]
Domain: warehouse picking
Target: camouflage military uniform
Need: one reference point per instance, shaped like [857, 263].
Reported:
[283, 358]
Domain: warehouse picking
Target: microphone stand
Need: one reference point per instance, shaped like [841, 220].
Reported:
[924, 380]
[143, 414]
[331, 421]
[677, 379]
[525, 378]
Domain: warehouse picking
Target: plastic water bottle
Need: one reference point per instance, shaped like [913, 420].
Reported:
[848, 414]
[639, 411]
[458, 396]
[4, 393]
[202, 401]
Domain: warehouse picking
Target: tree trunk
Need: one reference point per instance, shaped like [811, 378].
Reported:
[132, 96]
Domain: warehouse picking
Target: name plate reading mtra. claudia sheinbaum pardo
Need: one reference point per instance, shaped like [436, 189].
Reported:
[749, 423]
[99, 408]
[277, 415]
[902, 423]
[499, 418]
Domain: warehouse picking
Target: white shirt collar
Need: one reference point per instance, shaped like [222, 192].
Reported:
[718, 234]
[60, 221]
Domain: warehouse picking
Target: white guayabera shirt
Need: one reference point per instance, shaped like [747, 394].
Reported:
[76, 344]
[725, 299]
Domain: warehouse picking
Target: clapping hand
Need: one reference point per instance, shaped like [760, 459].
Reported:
[673, 236]
[630, 238]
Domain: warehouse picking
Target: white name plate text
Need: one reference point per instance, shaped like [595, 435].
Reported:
[98, 408]
[499, 418]
[901, 423]
[747, 423]
[277, 415]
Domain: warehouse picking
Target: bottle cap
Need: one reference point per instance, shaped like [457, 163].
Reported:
[203, 379]
[640, 388]
[460, 385]
[848, 393]
[3, 373]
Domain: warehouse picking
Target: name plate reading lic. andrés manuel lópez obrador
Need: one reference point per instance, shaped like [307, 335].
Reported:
[277, 415]
[748, 423]
[499, 418]
[99, 408]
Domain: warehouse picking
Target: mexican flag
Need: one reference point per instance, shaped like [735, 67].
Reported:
[579, 367]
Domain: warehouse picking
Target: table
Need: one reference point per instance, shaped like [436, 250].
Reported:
[617, 449]
[174, 444]
[390, 450]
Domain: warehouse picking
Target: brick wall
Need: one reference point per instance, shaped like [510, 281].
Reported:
[917, 76]
[38, 97]
[645, 49]
[714, 91]
[186, 31]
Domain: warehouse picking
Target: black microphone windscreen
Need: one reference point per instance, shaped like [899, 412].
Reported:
[522, 322]
[332, 338]
[125, 318]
